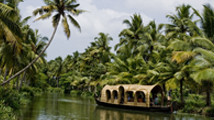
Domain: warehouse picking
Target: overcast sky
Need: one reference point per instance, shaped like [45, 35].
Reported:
[103, 16]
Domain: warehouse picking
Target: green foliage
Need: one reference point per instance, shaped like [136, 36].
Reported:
[55, 90]
[11, 98]
[6, 112]
[210, 111]
[194, 104]
[41, 81]
[87, 94]
[29, 91]
[76, 93]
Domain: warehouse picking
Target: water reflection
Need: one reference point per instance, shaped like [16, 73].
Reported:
[105, 113]
[67, 107]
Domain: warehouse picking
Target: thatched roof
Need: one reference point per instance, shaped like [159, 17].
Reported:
[134, 87]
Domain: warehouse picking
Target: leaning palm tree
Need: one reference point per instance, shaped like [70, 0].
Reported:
[61, 9]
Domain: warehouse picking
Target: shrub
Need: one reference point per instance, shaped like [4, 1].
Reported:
[29, 90]
[10, 97]
[6, 112]
[87, 94]
[55, 90]
[210, 111]
[74, 92]
[194, 104]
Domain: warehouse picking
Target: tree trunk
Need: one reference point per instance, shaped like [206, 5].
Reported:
[181, 91]
[25, 81]
[20, 86]
[24, 69]
[28, 83]
[5, 74]
[164, 87]
[17, 82]
[57, 80]
[208, 99]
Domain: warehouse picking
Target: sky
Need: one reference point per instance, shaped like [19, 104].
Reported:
[102, 16]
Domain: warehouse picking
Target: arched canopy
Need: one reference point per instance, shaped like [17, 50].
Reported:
[146, 89]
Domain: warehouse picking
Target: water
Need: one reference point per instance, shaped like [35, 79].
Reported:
[53, 106]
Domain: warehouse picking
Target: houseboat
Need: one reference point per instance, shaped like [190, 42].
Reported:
[134, 97]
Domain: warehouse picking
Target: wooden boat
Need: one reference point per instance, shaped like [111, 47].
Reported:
[128, 97]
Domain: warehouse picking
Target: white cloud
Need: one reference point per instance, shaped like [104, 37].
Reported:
[101, 17]
[92, 22]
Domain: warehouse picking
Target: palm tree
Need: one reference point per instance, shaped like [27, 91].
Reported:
[132, 34]
[182, 21]
[101, 45]
[62, 8]
[208, 22]
[203, 71]
[10, 30]
[57, 69]
[179, 33]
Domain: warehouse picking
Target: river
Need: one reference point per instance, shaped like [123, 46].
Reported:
[57, 106]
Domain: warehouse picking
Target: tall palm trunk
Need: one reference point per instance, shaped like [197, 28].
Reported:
[24, 69]
[28, 83]
[164, 87]
[25, 81]
[57, 80]
[17, 82]
[20, 86]
[208, 99]
[5, 74]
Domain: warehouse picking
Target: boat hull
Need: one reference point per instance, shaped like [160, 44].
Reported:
[139, 108]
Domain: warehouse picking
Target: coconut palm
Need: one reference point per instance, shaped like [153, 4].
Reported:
[101, 45]
[132, 34]
[10, 30]
[56, 69]
[203, 71]
[208, 22]
[61, 9]
[182, 21]
[179, 33]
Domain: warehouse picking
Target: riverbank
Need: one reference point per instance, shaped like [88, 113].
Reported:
[12, 100]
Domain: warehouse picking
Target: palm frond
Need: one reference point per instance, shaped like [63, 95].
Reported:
[55, 19]
[178, 45]
[74, 22]
[182, 56]
[203, 42]
[204, 75]
[45, 16]
[66, 27]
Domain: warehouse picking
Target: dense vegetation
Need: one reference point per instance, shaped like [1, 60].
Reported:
[178, 55]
